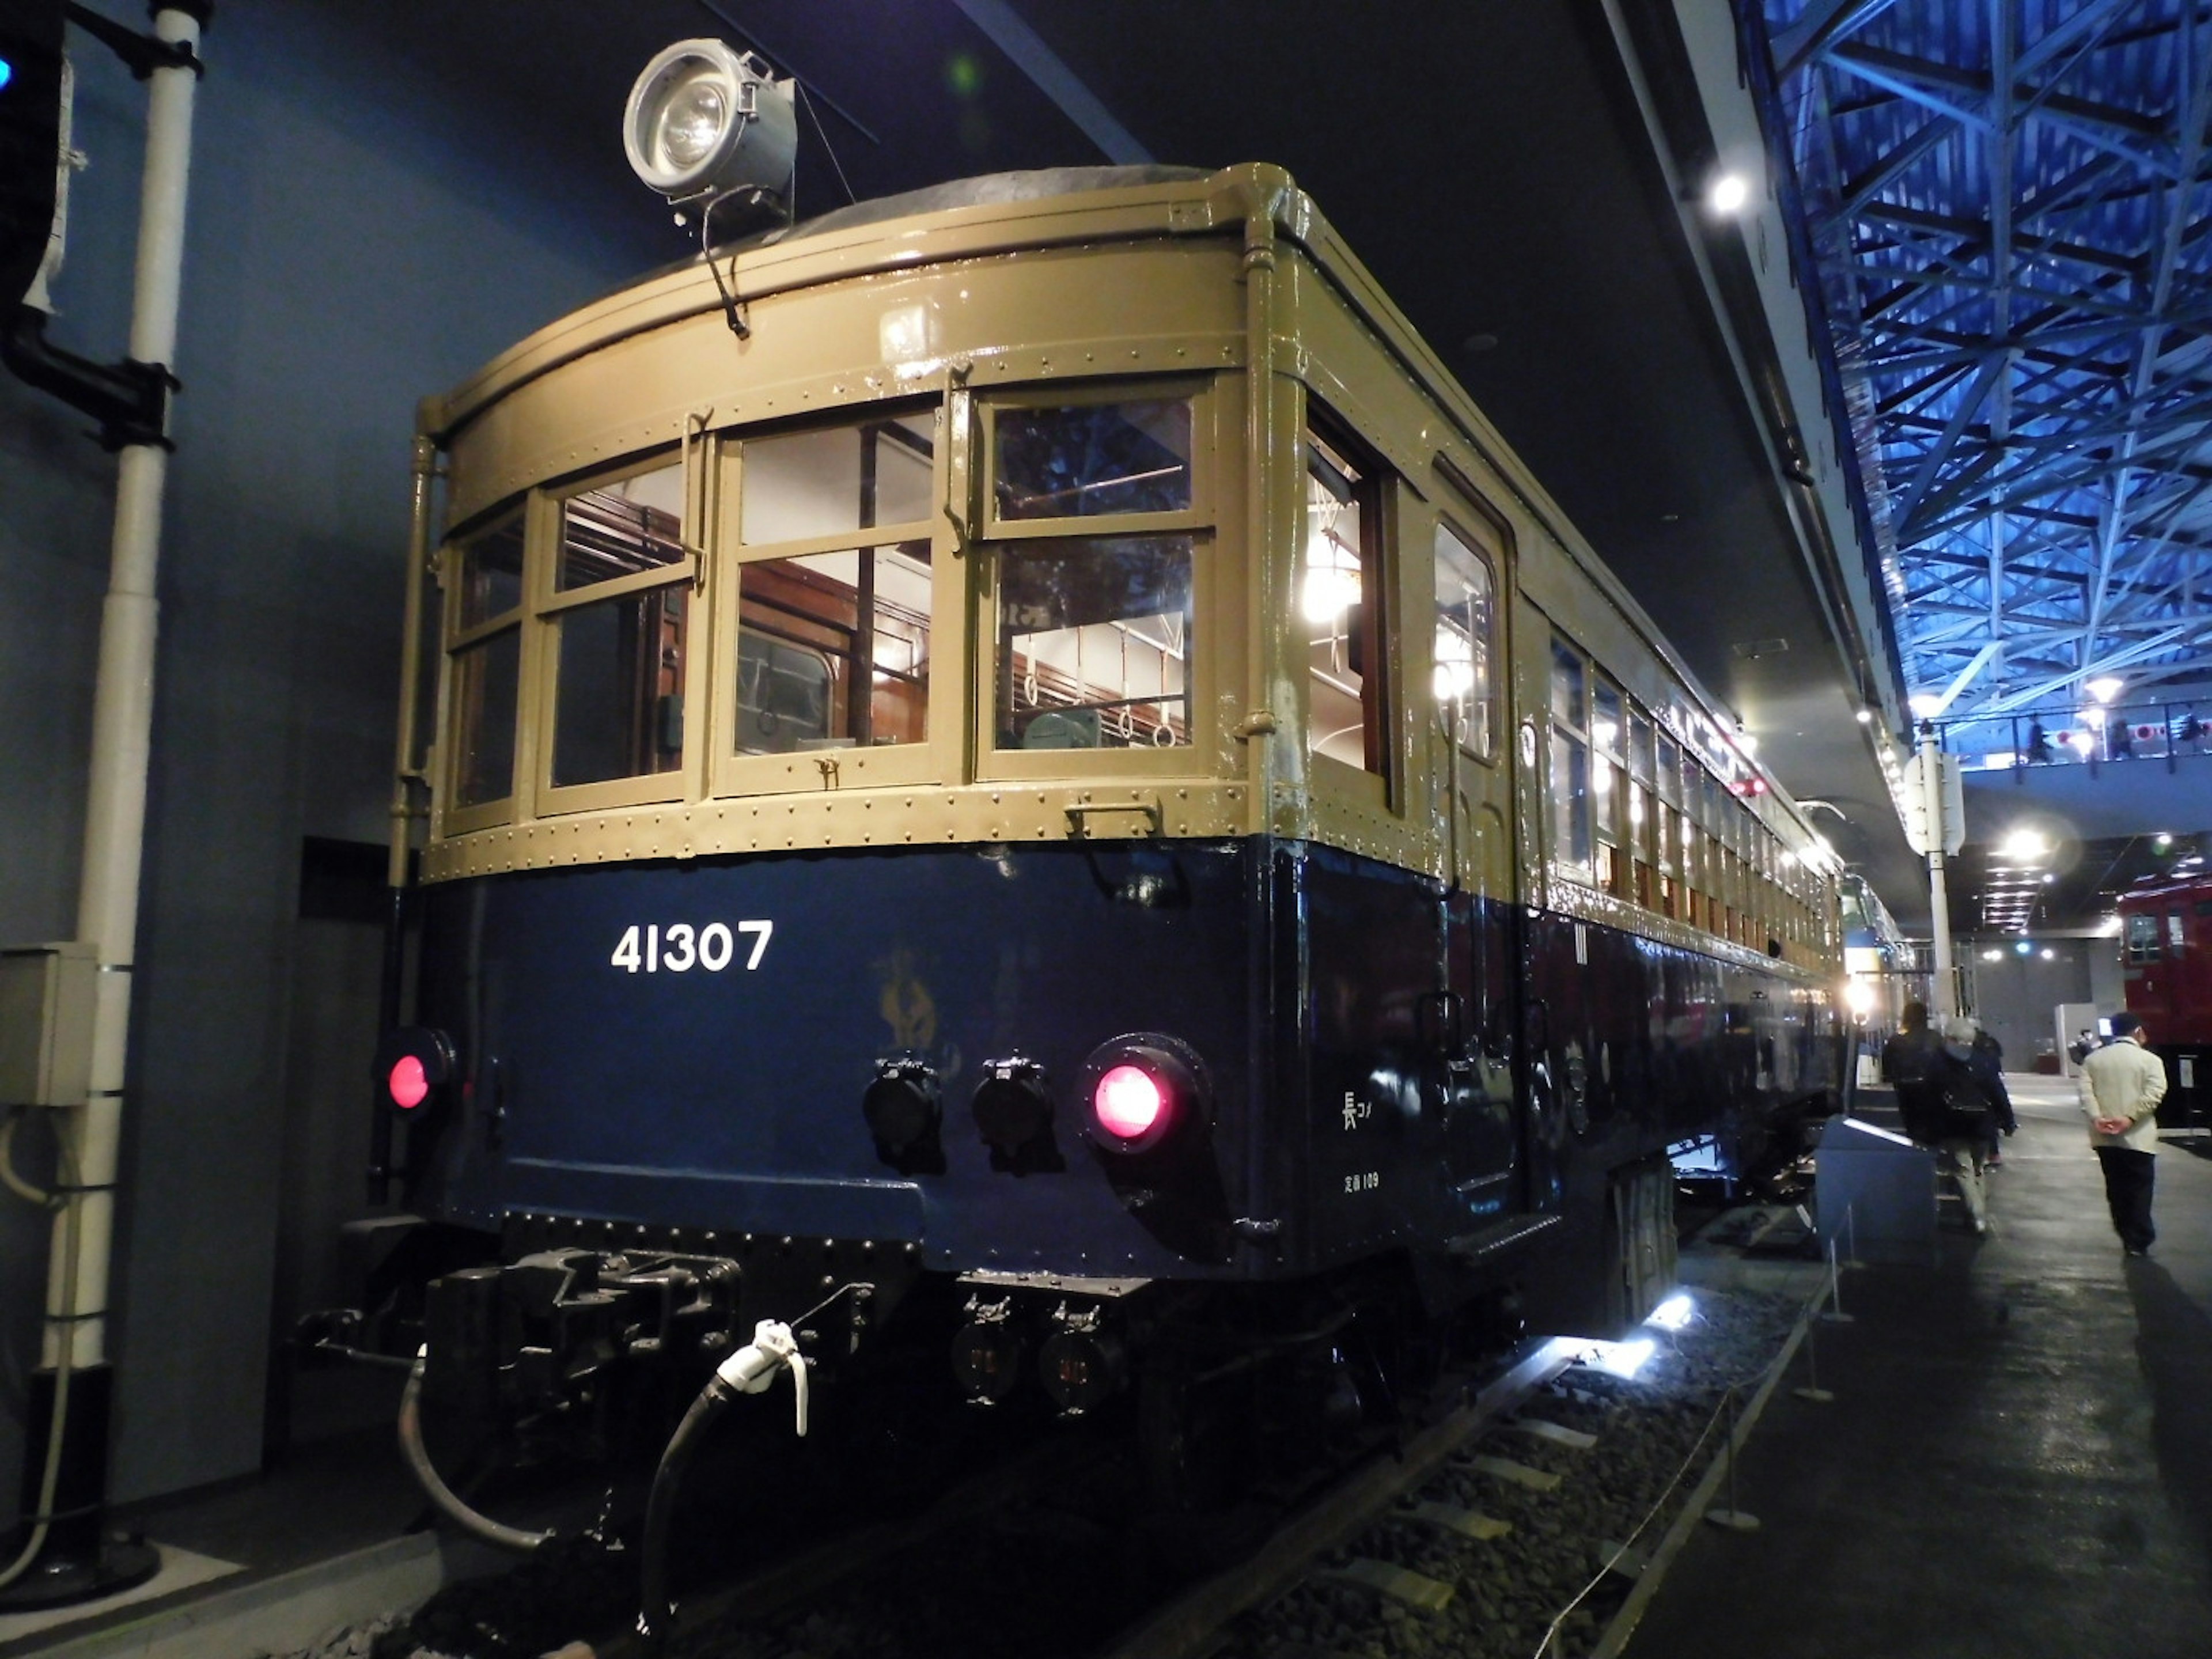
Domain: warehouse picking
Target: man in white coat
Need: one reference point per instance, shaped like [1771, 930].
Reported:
[2122, 1083]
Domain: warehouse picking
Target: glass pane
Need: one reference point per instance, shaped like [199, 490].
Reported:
[1567, 685]
[623, 528]
[1092, 459]
[491, 574]
[813, 627]
[1333, 597]
[1094, 643]
[1606, 717]
[839, 479]
[1640, 749]
[485, 678]
[1570, 832]
[618, 704]
[1464, 599]
[1601, 796]
[1670, 770]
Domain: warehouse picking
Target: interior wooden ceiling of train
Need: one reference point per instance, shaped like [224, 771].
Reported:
[1491, 164]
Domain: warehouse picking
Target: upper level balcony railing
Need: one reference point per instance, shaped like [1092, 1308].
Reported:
[2138, 732]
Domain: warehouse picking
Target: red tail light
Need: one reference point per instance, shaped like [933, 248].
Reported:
[1129, 1101]
[409, 1086]
[1146, 1091]
[413, 1064]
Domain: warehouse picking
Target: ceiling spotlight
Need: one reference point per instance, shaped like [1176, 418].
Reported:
[2104, 689]
[1865, 717]
[1925, 705]
[705, 119]
[2024, 847]
[1727, 194]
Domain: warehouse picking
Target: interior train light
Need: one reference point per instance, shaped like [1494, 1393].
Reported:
[705, 119]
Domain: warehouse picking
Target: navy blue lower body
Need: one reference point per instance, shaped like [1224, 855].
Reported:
[2129, 1176]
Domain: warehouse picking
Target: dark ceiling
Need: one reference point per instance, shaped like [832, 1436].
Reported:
[1488, 161]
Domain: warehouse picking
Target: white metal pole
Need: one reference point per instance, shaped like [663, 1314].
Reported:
[1945, 990]
[122, 723]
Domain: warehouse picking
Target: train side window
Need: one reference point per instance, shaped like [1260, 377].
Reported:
[485, 643]
[1465, 598]
[1643, 814]
[2174, 931]
[2143, 938]
[1570, 785]
[1341, 590]
[1094, 643]
[621, 631]
[1609, 734]
[1668, 783]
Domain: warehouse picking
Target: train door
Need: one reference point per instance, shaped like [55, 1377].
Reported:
[1471, 746]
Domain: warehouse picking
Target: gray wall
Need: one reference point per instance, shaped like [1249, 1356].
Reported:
[355, 240]
[2017, 997]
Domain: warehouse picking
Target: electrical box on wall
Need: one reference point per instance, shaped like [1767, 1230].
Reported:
[46, 994]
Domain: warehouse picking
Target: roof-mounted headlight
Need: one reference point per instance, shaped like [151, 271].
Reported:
[705, 119]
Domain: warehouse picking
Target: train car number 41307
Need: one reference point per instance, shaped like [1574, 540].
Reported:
[679, 947]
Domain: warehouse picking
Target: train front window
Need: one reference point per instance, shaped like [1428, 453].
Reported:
[837, 480]
[491, 574]
[485, 618]
[1091, 460]
[1094, 643]
[621, 629]
[833, 650]
[1340, 588]
[486, 678]
[1465, 597]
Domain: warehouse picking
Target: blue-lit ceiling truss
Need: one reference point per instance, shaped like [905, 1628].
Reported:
[2009, 203]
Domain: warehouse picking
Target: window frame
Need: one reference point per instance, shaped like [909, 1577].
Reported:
[547, 602]
[1203, 654]
[937, 757]
[456, 640]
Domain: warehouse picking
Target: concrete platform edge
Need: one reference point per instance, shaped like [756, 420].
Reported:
[278, 1614]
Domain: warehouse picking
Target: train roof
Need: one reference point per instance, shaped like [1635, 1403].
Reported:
[997, 214]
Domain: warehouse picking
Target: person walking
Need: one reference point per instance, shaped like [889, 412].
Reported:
[1988, 1063]
[1965, 1112]
[1907, 1059]
[2121, 1085]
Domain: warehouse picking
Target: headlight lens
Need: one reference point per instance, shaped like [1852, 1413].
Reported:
[690, 123]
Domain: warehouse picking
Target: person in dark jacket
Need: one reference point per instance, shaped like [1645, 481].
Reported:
[1987, 1058]
[1907, 1059]
[1963, 1107]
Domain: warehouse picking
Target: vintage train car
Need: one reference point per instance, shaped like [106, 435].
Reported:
[2166, 944]
[1028, 750]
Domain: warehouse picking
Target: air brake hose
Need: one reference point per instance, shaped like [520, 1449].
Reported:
[418, 1458]
[749, 1370]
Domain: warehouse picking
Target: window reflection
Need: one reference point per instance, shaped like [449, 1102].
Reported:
[837, 480]
[618, 683]
[1337, 590]
[1091, 459]
[815, 627]
[1464, 600]
[491, 574]
[486, 676]
[1094, 643]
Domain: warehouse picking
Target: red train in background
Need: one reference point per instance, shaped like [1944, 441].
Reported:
[2165, 942]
